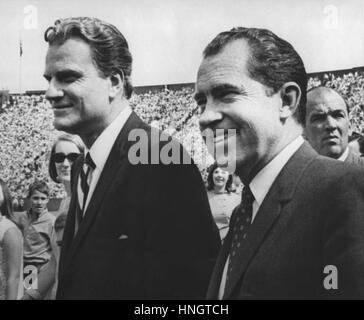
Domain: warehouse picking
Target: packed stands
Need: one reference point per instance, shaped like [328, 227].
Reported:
[27, 133]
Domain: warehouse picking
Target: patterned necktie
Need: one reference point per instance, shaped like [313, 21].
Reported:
[240, 229]
[88, 165]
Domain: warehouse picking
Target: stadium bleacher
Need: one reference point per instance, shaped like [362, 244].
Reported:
[27, 133]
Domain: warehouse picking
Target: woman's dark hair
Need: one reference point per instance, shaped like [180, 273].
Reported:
[210, 179]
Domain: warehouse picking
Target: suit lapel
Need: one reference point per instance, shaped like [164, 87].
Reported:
[267, 214]
[115, 166]
[280, 193]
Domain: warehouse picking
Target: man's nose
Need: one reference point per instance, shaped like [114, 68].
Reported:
[330, 123]
[54, 91]
[209, 116]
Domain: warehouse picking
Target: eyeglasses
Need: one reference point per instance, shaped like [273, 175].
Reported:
[60, 156]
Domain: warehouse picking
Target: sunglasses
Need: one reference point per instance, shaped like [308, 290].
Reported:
[60, 156]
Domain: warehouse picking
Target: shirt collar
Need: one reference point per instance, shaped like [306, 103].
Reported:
[262, 182]
[101, 148]
[344, 155]
[36, 216]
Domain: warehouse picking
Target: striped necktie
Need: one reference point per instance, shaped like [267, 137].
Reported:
[85, 172]
[240, 229]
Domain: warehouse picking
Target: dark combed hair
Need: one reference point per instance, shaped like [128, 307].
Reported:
[210, 179]
[272, 61]
[76, 140]
[109, 47]
[40, 186]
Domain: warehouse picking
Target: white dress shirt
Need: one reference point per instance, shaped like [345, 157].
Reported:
[100, 151]
[260, 186]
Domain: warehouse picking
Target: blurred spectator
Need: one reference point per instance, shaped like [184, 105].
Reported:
[351, 87]
[222, 199]
[27, 132]
[11, 249]
[64, 152]
[327, 124]
[39, 240]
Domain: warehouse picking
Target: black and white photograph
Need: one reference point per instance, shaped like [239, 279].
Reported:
[182, 151]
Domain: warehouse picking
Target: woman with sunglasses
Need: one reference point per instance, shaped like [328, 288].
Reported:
[65, 151]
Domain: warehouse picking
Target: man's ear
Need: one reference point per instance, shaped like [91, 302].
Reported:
[116, 85]
[291, 96]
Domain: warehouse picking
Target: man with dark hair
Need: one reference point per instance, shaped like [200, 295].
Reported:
[128, 234]
[327, 125]
[298, 232]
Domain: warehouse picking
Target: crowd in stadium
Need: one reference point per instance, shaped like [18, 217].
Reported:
[275, 200]
[27, 132]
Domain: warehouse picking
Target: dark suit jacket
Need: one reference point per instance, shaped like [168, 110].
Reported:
[354, 159]
[147, 233]
[312, 217]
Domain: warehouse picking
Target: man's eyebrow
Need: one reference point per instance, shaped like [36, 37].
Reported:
[63, 73]
[318, 114]
[221, 88]
[337, 111]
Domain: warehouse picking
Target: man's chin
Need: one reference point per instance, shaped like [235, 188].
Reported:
[60, 126]
[334, 152]
[66, 127]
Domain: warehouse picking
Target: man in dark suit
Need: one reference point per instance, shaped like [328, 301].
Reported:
[139, 224]
[298, 232]
[327, 125]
